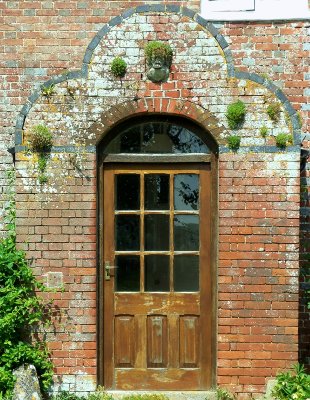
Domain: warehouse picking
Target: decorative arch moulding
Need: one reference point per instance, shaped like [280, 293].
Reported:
[184, 107]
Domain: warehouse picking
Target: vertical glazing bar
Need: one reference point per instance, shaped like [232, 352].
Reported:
[142, 274]
[171, 245]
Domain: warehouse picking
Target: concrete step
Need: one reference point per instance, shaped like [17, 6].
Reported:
[175, 395]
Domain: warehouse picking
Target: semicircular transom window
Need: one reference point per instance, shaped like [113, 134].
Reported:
[158, 137]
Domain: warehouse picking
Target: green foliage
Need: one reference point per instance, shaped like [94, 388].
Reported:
[48, 91]
[235, 114]
[263, 131]
[41, 142]
[21, 311]
[292, 386]
[273, 111]
[283, 140]
[118, 67]
[223, 394]
[158, 49]
[100, 394]
[146, 396]
[233, 142]
[64, 395]
[41, 139]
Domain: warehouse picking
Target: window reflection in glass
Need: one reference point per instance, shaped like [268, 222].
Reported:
[127, 232]
[186, 233]
[127, 273]
[186, 192]
[127, 192]
[156, 232]
[156, 192]
[156, 273]
[186, 273]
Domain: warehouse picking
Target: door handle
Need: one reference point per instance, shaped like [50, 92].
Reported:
[107, 270]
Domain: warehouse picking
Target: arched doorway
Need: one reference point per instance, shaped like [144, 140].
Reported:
[157, 247]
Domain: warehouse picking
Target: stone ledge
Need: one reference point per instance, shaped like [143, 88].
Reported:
[172, 395]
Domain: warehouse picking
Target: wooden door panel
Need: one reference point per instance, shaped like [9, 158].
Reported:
[157, 379]
[189, 341]
[157, 303]
[124, 341]
[158, 337]
[157, 341]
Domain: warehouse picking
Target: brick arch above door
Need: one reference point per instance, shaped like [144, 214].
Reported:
[174, 107]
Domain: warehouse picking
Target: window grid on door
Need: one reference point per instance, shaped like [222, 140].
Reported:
[146, 255]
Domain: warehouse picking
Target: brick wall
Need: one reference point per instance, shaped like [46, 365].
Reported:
[258, 186]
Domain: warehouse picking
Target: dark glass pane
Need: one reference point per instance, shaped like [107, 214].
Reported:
[127, 192]
[127, 273]
[156, 232]
[157, 192]
[186, 273]
[156, 273]
[186, 192]
[127, 232]
[157, 137]
[186, 232]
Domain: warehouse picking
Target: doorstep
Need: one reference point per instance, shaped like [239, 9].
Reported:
[172, 395]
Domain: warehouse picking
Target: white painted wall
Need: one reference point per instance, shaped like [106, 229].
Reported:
[236, 10]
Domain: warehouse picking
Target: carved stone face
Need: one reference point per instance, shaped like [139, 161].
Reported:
[158, 69]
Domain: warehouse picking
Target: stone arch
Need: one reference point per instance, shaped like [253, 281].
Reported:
[186, 109]
[223, 45]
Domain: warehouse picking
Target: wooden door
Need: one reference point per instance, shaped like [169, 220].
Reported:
[157, 283]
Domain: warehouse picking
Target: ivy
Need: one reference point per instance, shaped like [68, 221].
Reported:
[21, 310]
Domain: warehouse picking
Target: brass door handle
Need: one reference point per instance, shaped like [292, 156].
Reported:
[107, 269]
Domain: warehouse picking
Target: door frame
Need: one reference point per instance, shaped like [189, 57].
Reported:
[212, 159]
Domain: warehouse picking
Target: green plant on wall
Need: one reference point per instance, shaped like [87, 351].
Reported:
[21, 311]
[292, 385]
[41, 142]
[223, 394]
[118, 67]
[236, 114]
[158, 49]
[274, 111]
[283, 140]
[48, 91]
[263, 131]
[233, 142]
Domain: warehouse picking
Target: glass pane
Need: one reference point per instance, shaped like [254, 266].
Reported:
[156, 232]
[157, 137]
[186, 273]
[127, 192]
[127, 232]
[186, 233]
[157, 192]
[127, 273]
[186, 192]
[156, 273]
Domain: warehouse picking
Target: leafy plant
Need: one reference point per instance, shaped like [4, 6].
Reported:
[223, 394]
[48, 91]
[235, 114]
[118, 67]
[146, 396]
[64, 395]
[273, 111]
[41, 142]
[21, 311]
[158, 49]
[233, 142]
[263, 131]
[41, 139]
[292, 385]
[283, 140]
